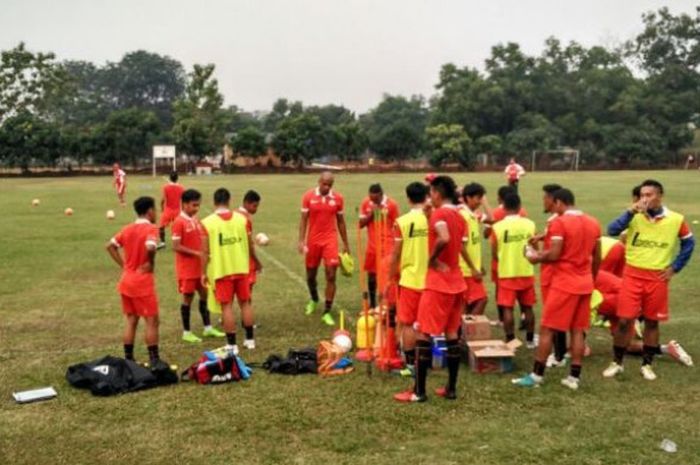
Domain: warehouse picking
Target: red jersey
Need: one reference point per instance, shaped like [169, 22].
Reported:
[450, 281]
[189, 231]
[499, 213]
[323, 211]
[514, 171]
[172, 193]
[391, 209]
[573, 272]
[547, 269]
[136, 239]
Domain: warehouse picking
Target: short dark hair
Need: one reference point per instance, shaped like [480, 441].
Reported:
[376, 189]
[637, 191]
[143, 204]
[473, 189]
[416, 192]
[446, 186]
[565, 196]
[503, 191]
[652, 183]
[174, 176]
[222, 196]
[551, 188]
[512, 202]
[191, 195]
[251, 197]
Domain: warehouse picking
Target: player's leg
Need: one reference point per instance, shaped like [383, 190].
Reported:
[331, 273]
[629, 304]
[508, 323]
[312, 284]
[428, 319]
[152, 325]
[228, 321]
[247, 315]
[185, 312]
[526, 300]
[544, 347]
[205, 314]
[372, 289]
[453, 352]
[131, 322]
[407, 312]
[506, 301]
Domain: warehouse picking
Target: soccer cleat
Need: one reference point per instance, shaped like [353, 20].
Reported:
[531, 344]
[571, 382]
[529, 381]
[407, 372]
[612, 370]
[408, 397]
[648, 372]
[328, 319]
[310, 307]
[445, 393]
[212, 332]
[552, 362]
[190, 337]
[676, 352]
[249, 344]
[232, 350]
[161, 245]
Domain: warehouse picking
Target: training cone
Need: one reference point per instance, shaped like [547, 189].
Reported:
[389, 357]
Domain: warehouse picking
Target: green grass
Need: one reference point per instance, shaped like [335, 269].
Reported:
[58, 306]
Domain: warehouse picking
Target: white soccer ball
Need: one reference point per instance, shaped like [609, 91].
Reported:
[343, 342]
[530, 252]
[36, 202]
[110, 214]
[68, 211]
[262, 239]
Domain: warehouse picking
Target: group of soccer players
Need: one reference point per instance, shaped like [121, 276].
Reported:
[431, 258]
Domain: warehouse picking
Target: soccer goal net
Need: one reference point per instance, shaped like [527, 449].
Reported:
[164, 152]
[555, 160]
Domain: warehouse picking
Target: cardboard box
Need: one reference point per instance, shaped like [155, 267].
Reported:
[492, 356]
[476, 328]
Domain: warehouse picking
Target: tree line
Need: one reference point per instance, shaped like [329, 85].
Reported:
[638, 102]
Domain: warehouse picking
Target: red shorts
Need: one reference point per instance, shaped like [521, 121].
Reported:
[252, 277]
[544, 290]
[409, 299]
[229, 287]
[475, 292]
[144, 306]
[328, 251]
[506, 297]
[168, 216]
[188, 286]
[563, 311]
[643, 297]
[439, 312]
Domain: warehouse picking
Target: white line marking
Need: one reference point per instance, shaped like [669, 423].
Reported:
[282, 266]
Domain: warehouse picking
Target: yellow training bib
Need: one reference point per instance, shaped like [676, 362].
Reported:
[650, 243]
[473, 245]
[512, 234]
[414, 249]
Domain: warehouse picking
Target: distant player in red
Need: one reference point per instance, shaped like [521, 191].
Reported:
[137, 288]
[321, 221]
[440, 307]
[377, 203]
[513, 173]
[119, 183]
[251, 202]
[575, 253]
[170, 204]
[187, 243]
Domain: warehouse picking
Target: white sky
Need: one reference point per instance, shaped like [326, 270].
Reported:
[346, 52]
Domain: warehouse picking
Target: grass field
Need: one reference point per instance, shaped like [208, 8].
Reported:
[58, 306]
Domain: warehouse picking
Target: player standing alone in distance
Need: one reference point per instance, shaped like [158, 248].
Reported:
[119, 183]
[170, 205]
[321, 221]
[513, 173]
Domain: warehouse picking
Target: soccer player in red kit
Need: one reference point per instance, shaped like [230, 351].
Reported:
[119, 183]
[440, 307]
[514, 172]
[187, 243]
[138, 241]
[375, 201]
[321, 221]
[251, 202]
[169, 205]
[575, 254]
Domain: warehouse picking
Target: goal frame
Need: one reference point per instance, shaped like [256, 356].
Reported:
[575, 163]
[161, 152]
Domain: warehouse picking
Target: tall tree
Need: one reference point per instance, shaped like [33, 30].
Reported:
[396, 127]
[249, 142]
[26, 140]
[127, 137]
[298, 139]
[448, 143]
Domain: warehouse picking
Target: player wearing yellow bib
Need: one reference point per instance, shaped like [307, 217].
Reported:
[475, 298]
[516, 275]
[409, 264]
[226, 255]
[652, 233]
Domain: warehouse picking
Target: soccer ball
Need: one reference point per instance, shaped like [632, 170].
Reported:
[262, 239]
[341, 339]
[35, 202]
[68, 211]
[530, 252]
[110, 214]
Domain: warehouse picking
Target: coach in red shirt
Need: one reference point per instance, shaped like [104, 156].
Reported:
[321, 221]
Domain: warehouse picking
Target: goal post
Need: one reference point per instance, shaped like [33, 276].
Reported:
[565, 159]
[166, 152]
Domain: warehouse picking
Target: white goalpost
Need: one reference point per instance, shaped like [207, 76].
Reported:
[564, 159]
[163, 152]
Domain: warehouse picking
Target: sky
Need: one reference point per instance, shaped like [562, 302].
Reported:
[347, 52]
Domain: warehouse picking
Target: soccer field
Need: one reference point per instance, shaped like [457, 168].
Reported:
[59, 306]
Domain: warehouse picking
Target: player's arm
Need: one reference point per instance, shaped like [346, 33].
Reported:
[395, 262]
[179, 248]
[487, 219]
[253, 255]
[150, 265]
[494, 248]
[622, 222]
[476, 274]
[597, 257]
[365, 216]
[552, 254]
[303, 223]
[204, 258]
[441, 240]
[684, 253]
[343, 230]
[113, 251]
